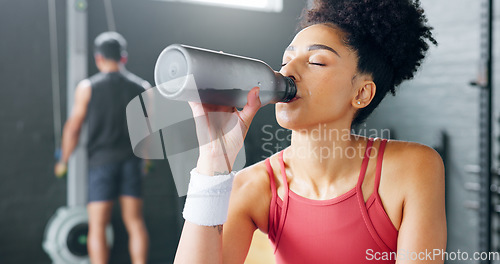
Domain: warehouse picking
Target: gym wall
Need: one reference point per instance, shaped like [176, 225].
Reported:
[440, 99]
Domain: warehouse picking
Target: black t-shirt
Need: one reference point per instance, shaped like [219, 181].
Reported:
[108, 138]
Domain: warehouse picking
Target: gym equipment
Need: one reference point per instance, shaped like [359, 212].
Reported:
[485, 170]
[65, 238]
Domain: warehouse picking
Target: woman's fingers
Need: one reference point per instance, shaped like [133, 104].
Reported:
[221, 131]
[199, 116]
[214, 121]
[253, 105]
[197, 109]
[201, 109]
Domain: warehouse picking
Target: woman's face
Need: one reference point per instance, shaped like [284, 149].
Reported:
[325, 72]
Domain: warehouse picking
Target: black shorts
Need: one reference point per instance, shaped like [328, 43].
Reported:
[107, 182]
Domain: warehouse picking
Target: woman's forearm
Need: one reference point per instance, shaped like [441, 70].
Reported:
[199, 244]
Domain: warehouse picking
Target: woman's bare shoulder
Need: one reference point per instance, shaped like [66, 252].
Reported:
[251, 188]
[411, 154]
[252, 176]
[413, 163]
[256, 175]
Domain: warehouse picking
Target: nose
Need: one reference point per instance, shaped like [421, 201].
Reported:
[290, 70]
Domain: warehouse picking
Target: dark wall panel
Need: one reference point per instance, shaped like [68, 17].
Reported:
[29, 193]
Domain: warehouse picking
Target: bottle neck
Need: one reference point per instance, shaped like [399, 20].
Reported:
[290, 91]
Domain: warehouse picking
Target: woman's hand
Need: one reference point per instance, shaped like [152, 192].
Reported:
[221, 131]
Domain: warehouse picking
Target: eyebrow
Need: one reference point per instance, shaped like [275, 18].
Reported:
[316, 47]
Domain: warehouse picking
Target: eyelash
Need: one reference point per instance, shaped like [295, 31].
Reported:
[312, 63]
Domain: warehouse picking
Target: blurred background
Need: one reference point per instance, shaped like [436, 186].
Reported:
[447, 106]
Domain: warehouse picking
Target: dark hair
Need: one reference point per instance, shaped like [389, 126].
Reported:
[389, 36]
[110, 45]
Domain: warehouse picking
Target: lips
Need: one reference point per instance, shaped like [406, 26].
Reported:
[293, 99]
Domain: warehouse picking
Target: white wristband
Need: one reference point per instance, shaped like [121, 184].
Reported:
[207, 199]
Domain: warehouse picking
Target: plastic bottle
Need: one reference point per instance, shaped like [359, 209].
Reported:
[194, 74]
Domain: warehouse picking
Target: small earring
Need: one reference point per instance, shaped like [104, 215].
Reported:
[359, 102]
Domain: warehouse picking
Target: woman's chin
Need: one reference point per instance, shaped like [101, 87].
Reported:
[291, 117]
[286, 121]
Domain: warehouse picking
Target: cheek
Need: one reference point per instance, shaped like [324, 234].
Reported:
[335, 95]
[335, 87]
[330, 92]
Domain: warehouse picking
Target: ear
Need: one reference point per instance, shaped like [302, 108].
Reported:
[364, 95]
[98, 59]
[123, 60]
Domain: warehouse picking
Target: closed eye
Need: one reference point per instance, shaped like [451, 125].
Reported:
[316, 63]
[312, 63]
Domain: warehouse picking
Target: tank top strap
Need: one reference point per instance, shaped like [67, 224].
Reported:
[272, 219]
[283, 172]
[361, 202]
[271, 177]
[284, 208]
[364, 165]
[380, 157]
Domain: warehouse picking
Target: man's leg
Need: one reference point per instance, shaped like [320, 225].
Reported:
[102, 190]
[131, 208]
[99, 217]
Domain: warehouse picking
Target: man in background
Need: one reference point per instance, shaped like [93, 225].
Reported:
[114, 171]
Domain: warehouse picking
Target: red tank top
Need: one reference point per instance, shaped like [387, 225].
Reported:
[343, 230]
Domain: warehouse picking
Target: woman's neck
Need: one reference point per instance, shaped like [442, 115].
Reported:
[324, 154]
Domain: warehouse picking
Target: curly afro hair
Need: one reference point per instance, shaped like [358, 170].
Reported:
[390, 38]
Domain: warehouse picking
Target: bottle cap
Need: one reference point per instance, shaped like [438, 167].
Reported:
[171, 71]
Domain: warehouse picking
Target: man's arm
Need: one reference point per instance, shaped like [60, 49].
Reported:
[422, 235]
[71, 131]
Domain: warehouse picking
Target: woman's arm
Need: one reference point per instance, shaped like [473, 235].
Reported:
[220, 142]
[248, 206]
[248, 210]
[422, 235]
[199, 244]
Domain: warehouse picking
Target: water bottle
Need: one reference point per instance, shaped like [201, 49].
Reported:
[194, 74]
